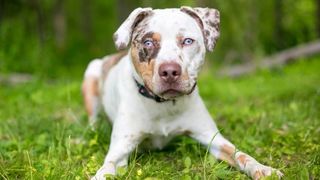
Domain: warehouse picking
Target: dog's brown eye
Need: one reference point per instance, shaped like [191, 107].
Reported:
[148, 43]
[187, 41]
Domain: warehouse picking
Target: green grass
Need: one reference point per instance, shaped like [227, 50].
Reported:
[272, 115]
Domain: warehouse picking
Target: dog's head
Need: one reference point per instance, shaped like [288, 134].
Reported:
[168, 46]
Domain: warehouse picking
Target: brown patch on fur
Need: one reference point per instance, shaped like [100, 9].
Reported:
[208, 22]
[207, 14]
[143, 68]
[207, 32]
[258, 175]
[139, 29]
[185, 76]
[242, 159]
[148, 53]
[90, 90]
[227, 153]
[156, 37]
[228, 149]
[140, 18]
[90, 86]
[194, 15]
[143, 58]
[110, 62]
[179, 38]
[228, 159]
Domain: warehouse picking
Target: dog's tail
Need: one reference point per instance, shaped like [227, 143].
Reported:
[90, 89]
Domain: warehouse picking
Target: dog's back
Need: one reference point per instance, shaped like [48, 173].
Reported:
[95, 74]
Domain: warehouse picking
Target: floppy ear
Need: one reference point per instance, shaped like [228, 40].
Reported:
[123, 35]
[209, 21]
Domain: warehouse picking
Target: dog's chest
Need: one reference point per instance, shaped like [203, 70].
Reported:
[166, 120]
[162, 132]
[164, 128]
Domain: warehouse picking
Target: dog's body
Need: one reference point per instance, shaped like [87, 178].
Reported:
[150, 92]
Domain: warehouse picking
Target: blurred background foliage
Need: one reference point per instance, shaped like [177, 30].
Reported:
[51, 38]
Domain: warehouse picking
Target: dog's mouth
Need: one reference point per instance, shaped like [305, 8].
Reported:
[171, 93]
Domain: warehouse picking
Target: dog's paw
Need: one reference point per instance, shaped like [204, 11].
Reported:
[104, 172]
[261, 171]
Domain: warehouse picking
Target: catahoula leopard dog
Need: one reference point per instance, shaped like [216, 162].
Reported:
[150, 91]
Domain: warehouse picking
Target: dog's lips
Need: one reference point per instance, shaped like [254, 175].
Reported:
[171, 93]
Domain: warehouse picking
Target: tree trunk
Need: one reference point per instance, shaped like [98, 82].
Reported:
[318, 17]
[277, 59]
[86, 23]
[1, 11]
[40, 20]
[59, 24]
[278, 30]
[250, 31]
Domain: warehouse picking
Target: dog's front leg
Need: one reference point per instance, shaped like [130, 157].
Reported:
[123, 142]
[222, 149]
[204, 130]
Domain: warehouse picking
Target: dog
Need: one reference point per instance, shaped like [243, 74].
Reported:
[150, 91]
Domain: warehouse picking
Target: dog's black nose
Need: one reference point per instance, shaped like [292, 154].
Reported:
[170, 72]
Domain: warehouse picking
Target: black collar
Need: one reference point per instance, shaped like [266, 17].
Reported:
[148, 94]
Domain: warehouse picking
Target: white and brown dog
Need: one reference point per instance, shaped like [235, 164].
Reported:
[150, 91]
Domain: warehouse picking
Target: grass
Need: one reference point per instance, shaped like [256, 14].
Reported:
[272, 115]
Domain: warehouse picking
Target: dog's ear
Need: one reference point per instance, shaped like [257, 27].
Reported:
[123, 35]
[209, 21]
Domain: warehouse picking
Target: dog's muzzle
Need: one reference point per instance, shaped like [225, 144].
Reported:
[170, 79]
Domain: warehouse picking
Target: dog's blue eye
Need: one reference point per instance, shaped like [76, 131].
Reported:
[187, 41]
[148, 43]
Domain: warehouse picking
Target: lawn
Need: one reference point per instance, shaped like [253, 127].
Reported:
[273, 115]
